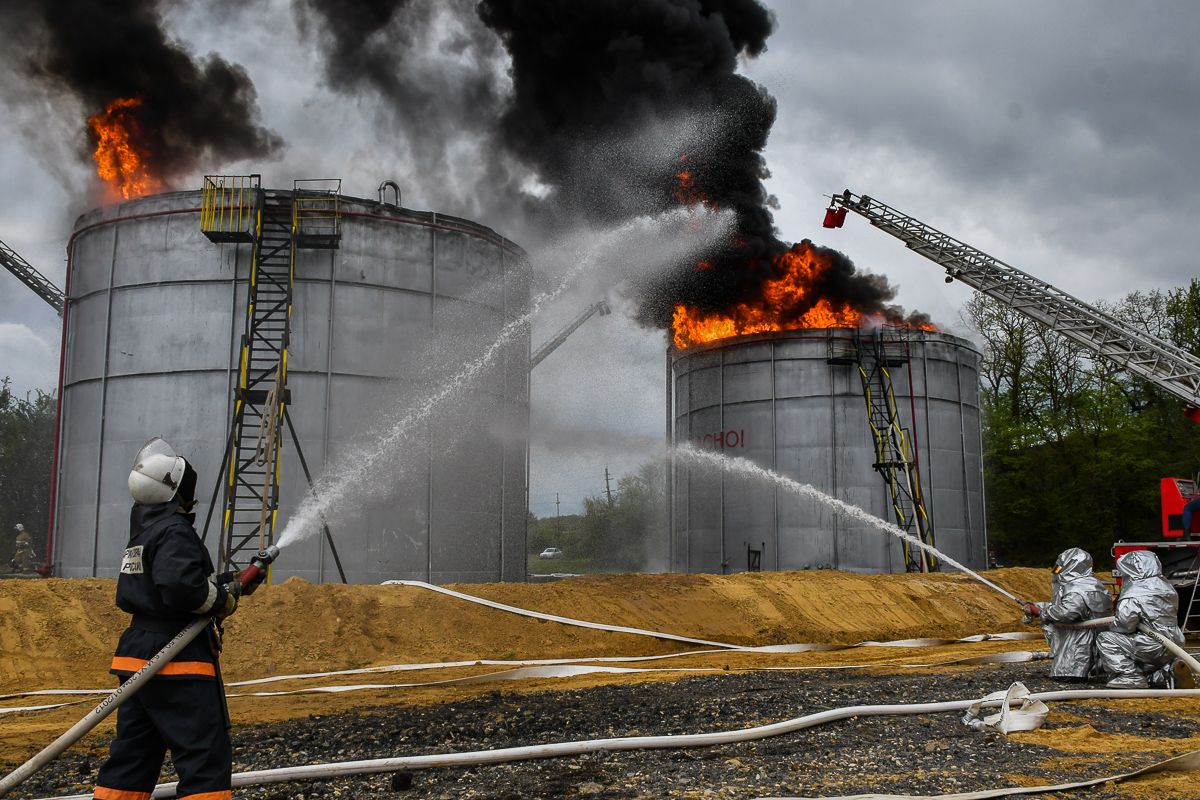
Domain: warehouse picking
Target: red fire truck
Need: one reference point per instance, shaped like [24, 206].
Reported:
[1167, 366]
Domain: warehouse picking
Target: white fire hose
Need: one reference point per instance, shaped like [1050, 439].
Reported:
[248, 578]
[109, 704]
[1179, 652]
[343, 769]
[346, 769]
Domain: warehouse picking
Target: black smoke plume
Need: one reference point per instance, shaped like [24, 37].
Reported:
[195, 113]
[609, 101]
[431, 76]
[586, 73]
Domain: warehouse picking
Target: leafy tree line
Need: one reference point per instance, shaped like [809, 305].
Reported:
[621, 536]
[26, 454]
[1074, 447]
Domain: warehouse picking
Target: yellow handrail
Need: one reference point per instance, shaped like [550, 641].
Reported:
[227, 206]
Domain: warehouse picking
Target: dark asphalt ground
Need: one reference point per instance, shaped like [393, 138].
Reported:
[922, 754]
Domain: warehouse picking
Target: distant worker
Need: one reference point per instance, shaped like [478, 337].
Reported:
[1077, 596]
[24, 558]
[166, 581]
[1132, 658]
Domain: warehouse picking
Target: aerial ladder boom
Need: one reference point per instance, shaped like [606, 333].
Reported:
[549, 347]
[29, 276]
[1163, 364]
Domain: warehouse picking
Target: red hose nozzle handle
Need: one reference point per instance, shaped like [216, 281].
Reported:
[256, 572]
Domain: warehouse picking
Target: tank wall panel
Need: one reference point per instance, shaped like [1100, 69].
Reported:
[85, 342]
[705, 388]
[91, 262]
[749, 503]
[78, 462]
[172, 347]
[384, 256]
[377, 331]
[748, 381]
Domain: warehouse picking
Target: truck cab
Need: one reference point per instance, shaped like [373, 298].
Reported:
[1179, 551]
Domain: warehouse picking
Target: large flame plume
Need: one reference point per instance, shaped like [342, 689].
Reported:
[121, 157]
[799, 292]
[789, 301]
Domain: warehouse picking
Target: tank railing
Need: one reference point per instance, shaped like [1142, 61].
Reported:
[316, 212]
[229, 207]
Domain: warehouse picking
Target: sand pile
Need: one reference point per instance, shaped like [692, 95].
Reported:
[60, 632]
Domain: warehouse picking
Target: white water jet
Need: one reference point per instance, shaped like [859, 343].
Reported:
[665, 239]
[707, 458]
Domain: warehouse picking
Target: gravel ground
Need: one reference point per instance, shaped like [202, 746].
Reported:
[926, 754]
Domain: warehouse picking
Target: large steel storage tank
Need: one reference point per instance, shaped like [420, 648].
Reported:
[791, 402]
[154, 316]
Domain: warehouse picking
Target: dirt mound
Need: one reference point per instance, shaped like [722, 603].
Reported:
[60, 632]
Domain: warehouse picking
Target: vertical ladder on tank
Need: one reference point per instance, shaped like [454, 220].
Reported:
[1191, 615]
[279, 226]
[877, 351]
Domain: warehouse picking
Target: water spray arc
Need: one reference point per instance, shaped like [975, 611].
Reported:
[341, 483]
[704, 458]
[249, 578]
[691, 454]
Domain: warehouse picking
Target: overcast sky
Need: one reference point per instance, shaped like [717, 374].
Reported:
[1060, 137]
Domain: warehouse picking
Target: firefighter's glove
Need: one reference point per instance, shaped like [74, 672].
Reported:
[233, 590]
[1032, 612]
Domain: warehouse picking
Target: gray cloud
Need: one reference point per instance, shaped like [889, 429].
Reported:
[1070, 125]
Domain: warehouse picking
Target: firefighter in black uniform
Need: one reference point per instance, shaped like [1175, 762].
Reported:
[167, 580]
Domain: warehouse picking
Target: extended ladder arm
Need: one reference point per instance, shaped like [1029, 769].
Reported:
[29, 276]
[1163, 364]
[549, 347]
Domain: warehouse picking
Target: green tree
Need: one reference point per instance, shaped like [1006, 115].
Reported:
[26, 453]
[1074, 445]
[623, 535]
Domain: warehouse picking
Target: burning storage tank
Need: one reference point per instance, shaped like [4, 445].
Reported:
[152, 337]
[796, 402]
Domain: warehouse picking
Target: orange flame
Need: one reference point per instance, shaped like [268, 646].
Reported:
[120, 157]
[799, 270]
[686, 192]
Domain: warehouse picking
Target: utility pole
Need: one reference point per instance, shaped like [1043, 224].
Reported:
[607, 487]
[557, 516]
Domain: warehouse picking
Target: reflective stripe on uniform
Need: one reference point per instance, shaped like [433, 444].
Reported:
[127, 664]
[104, 793]
[209, 601]
[225, 795]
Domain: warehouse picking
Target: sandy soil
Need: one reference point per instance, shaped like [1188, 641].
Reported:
[59, 634]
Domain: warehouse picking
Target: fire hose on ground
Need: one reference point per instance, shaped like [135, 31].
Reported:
[346, 769]
[1176, 650]
[248, 578]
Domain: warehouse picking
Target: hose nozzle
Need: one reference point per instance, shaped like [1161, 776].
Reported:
[256, 572]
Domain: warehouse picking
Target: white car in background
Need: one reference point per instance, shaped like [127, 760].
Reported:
[551, 552]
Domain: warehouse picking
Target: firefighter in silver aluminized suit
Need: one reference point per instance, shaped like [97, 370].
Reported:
[1077, 597]
[1129, 656]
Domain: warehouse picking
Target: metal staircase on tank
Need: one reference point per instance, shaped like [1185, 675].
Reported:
[873, 353]
[278, 225]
